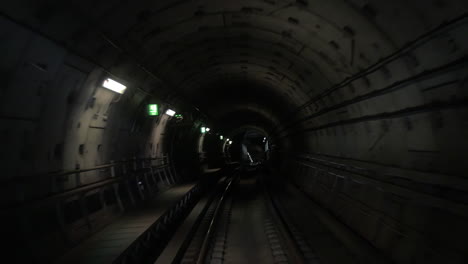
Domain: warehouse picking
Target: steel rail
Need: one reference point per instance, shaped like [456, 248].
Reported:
[206, 241]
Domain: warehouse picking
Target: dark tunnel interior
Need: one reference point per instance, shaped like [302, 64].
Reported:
[353, 112]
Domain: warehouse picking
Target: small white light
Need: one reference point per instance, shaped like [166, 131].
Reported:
[230, 142]
[221, 137]
[170, 112]
[207, 129]
[114, 86]
[227, 139]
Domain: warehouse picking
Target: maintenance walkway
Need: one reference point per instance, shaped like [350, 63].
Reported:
[108, 244]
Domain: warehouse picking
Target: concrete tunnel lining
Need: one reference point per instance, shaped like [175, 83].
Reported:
[373, 93]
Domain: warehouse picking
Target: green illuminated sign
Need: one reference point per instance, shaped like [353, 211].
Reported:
[153, 110]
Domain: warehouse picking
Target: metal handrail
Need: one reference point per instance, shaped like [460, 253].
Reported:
[57, 196]
[70, 172]
[79, 189]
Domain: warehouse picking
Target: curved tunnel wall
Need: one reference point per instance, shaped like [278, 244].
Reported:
[365, 100]
[57, 117]
[62, 118]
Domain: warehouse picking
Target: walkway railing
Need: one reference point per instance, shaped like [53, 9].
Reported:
[80, 195]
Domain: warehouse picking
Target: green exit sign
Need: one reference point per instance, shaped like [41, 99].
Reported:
[153, 110]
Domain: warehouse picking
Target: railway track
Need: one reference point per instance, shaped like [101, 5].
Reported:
[243, 224]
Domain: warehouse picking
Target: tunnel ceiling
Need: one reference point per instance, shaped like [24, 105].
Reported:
[277, 51]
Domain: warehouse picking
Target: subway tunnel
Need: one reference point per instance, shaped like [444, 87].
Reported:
[348, 117]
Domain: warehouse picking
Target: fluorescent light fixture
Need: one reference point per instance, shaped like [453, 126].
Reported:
[203, 130]
[221, 137]
[170, 112]
[114, 86]
[153, 110]
[207, 129]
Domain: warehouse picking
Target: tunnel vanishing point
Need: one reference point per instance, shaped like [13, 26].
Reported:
[270, 131]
